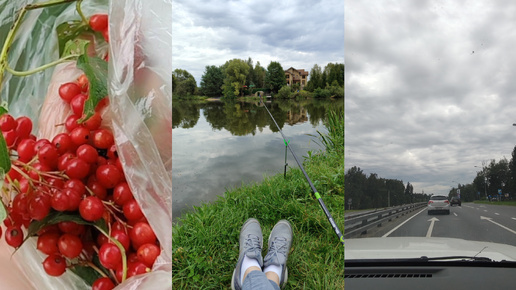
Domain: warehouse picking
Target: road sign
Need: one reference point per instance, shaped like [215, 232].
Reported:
[499, 191]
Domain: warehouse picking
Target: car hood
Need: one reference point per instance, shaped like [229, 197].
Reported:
[415, 247]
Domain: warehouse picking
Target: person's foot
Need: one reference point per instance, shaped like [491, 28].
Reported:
[280, 241]
[251, 243]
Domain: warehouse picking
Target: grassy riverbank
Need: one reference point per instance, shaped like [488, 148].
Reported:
[205, 244]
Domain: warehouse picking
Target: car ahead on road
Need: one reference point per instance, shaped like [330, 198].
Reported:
[438, 203]
[455, 200]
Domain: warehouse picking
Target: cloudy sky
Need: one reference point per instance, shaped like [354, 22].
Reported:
[430, 88]
[296, 34]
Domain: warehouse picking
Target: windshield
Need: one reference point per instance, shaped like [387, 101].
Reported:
[430, 119]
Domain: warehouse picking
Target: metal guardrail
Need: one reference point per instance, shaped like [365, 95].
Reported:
[358, 224]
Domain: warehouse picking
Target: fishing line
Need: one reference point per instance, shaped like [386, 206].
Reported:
[317, 195]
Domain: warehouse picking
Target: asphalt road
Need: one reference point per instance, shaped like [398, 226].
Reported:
[478, 222]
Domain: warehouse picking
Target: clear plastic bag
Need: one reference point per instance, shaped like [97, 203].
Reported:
[140, 110]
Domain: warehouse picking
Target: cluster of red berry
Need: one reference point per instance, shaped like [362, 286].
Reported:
[77, 173]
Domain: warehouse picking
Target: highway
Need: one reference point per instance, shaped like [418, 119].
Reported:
[478, 222]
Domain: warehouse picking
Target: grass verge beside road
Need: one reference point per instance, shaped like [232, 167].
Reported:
[509, 203]
[206, 241]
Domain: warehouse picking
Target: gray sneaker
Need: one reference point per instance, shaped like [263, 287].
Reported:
[251, 243]
[280, 241]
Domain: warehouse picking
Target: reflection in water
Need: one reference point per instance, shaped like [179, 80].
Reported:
[243, 118]
[218, 145]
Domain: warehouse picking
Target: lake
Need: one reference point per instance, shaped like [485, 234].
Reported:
[220, 145]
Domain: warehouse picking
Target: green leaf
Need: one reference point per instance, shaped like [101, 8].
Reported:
[76, 46]
[5, 160]
[3, 108]
[69, 31]
[54, 217]
[96, 71]
[3, 212]
[88, 274]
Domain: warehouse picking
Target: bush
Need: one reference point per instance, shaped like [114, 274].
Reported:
[301, 95]
[321, 93]
[336, 91]
[284, 92]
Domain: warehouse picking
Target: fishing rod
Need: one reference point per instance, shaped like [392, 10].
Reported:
[317, 195]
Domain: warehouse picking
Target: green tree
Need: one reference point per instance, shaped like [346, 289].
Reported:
[250, 74]
[512, 172]
[212, 81]
[185, 83]
[235, 75]
[335, 72]
[315, 80]
[285, 92]
[275, 76]
[259, 75]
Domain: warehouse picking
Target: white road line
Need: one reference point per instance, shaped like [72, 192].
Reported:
[497, 213]
[391, 231]
[485, 210]
[502, 226]
[514, 219]
[454, 214]
[431, 227]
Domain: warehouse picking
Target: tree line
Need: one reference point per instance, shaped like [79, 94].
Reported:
[375, 192]
[239, 77]
[494, 176]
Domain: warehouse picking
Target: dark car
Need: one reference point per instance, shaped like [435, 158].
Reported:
[455, 200]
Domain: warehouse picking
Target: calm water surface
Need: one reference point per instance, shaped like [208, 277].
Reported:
[219, 145]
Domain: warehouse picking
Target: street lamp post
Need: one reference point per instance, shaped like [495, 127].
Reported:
[485, 178]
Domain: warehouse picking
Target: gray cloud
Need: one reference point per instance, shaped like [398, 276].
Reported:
[429, 88]
[295, 33]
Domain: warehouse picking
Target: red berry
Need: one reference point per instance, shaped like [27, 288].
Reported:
[91, 208]
[68, 91]
[132, 210]
[136, 268]
[47, 243]
[87, 153]
[77, 168]
[23, 127]
[69, 245]
[147, 254]
[63, 143]
[70, 227]
[48, 155]
[25, 150]
[77, 104]
[122, 237]
[14, 236]
[7, 123]
[103, 283]
[140, 234]
[103, 139]
[80, 135]
[54, 265]
[122, 193]
[39, 206]
[94, 122]
[83, 83]
[110, 255]
[10, 137]
[108, 175]
[59, 201]
[99, 22]
[71, 123]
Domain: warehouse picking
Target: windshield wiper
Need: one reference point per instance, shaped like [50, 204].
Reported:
[462, 258]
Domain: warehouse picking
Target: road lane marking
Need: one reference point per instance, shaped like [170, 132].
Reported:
[497, 213]
[431, 227]
[502, 226]
[454, 214]
[514, 219]
[485, 210]
[391, 231]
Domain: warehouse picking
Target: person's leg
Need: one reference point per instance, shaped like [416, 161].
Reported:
[256, 280]
[275, 262]
[250, 257]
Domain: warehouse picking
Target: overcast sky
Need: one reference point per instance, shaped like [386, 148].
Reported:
[430, 88]
[296, 34]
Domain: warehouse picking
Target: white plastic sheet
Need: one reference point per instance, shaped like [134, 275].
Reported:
[140, 88]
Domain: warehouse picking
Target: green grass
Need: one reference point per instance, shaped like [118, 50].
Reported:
[206, 241]
[509, 203]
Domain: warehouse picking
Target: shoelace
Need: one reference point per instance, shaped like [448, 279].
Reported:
[252, 244]
[278, 246]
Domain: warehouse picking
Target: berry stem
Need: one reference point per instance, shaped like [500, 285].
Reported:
[93, 266]
[41, 68]
[122, 251]
[79, 11]
[14, 28]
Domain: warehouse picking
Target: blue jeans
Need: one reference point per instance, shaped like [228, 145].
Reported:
[256, 280]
